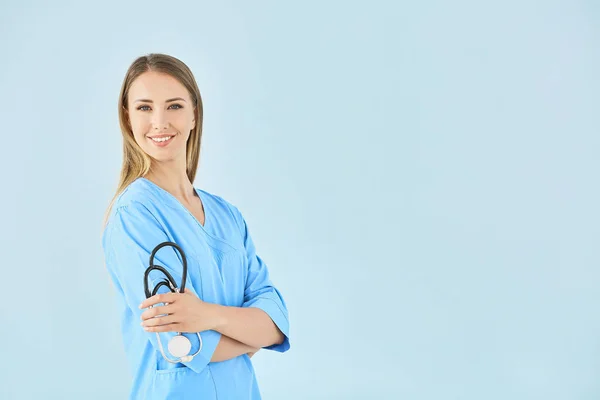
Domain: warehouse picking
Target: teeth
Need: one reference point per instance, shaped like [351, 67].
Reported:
[162, 139]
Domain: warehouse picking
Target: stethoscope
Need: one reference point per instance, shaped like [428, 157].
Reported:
[179, 345]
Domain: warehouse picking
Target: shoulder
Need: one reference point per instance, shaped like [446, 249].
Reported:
[136, 201]
[139, 193]
[138, 196]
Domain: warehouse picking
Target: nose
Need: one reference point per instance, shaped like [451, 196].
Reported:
[161, 127]
[159, 122]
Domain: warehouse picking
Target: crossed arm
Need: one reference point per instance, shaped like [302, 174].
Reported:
[244, 330]
[247, 325]
[229, 348]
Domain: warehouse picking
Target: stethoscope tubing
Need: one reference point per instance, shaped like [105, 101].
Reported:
[170, 283]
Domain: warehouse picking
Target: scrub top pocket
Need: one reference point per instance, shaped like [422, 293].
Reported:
[182, 383]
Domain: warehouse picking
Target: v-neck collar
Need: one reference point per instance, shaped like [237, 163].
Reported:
[198, 193]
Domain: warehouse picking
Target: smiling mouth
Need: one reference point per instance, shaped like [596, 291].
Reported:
[162, 139]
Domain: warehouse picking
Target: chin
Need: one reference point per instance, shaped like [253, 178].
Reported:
[162, 157]
[166, 155]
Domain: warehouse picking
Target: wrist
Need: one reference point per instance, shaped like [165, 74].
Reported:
[220, 319]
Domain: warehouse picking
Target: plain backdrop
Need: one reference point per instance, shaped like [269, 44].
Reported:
[421, 179]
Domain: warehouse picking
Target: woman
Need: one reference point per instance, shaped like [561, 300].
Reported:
[228, 297]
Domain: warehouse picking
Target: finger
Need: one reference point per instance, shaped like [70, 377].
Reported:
[175, 327]
[159, 298]
[154, 311]
[166, 320]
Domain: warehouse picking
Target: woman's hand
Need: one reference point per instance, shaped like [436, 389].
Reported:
[183, 312]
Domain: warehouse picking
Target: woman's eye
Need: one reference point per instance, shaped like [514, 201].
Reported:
[143, 108]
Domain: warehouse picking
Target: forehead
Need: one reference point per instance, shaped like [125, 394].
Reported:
[156, 86]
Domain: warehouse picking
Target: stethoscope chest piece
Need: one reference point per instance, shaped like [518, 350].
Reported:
[179, 346]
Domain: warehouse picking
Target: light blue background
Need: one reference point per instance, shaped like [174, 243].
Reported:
[420, 177]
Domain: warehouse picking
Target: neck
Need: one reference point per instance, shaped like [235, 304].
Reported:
[173, 180]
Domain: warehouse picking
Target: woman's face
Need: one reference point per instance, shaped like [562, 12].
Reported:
[160, 107]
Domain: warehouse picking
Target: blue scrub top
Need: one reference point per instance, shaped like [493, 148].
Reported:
[223, 268]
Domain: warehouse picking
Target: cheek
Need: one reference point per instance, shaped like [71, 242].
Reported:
[139, 126]
[183, 123]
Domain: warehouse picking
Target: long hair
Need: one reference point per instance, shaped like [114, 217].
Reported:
[136, 163]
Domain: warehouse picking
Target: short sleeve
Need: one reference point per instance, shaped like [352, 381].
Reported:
[134, 233]
[260, 292]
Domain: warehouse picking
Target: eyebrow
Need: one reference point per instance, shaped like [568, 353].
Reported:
[150, 101]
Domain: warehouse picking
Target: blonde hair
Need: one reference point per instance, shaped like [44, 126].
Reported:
[136, 163]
